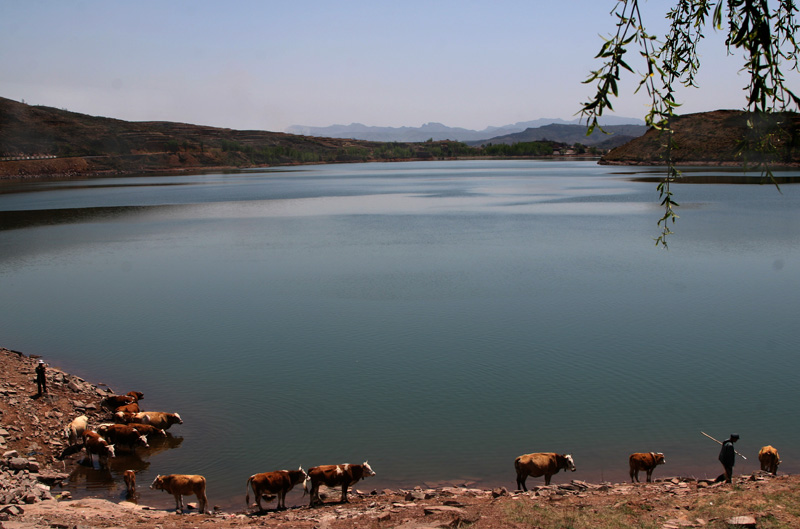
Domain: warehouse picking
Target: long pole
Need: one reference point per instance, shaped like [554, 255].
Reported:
[720, 442]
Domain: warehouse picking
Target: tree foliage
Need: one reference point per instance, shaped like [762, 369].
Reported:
[763, 30]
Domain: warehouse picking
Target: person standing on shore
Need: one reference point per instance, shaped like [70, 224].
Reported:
[41, 379]
[727, 456]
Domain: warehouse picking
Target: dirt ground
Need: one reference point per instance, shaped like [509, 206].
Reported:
[32, 426]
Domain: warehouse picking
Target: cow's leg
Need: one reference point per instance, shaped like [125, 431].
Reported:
[650, 475]
[314, 495]
[281, 500]
[547, 479]
[521, 482]
[203, 500]
[178, 503]
[257, 492]
[635, 475]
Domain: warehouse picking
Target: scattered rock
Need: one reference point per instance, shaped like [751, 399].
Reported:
[13, 510]
[500, 491]
[741, 521]
[18, 463]
[415, 495]
[439, 509]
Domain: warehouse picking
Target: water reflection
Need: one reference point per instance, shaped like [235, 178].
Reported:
[160, 444]
[15, 220]
[108, 479]
[725, 178]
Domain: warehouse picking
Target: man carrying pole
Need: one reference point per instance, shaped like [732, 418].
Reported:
[727, 456]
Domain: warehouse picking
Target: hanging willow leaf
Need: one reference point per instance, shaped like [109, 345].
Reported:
[765, 38]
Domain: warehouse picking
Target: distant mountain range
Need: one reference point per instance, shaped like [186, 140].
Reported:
[611, 136]
[438, 131]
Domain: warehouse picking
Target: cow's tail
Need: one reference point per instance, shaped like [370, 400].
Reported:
[247, 491]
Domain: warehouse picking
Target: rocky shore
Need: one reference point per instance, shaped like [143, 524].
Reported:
[31, 475]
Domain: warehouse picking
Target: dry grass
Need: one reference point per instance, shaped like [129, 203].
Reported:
[775, 504]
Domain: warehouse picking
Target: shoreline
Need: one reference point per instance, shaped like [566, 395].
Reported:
[33, 428]
[78, 168]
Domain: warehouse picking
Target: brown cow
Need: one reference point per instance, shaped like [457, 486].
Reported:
[138, 394]
[769, 459]
[112, 402]
[159, 419]
[126, 435]
[333, 476]
[647, 461]
[180, 485]
[541, 464]
[130, 482]
[133, 407]
[147, 429]
[95, 445]
[278, 483]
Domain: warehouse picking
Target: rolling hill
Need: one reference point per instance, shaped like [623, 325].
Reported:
[614, 135]
[721, 137]
[76, 143]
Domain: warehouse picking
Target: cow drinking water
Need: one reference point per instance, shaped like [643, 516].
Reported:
[769, 459]
[95, 445]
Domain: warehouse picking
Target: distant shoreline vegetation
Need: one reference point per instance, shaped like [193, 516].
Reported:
[40, 141]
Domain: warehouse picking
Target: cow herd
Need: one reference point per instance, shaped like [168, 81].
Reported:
[132, 427]
[130, 430]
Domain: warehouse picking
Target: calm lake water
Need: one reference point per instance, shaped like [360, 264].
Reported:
[437, 319]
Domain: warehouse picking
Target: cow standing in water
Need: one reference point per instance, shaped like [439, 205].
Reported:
[95, 445]
[335, 476]
[129, 476]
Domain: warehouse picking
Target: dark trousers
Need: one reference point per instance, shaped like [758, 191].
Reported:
[728, 475]
[41, 385]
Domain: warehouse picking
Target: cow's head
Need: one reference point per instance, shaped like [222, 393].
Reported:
[298, 475]
[569, 464]
[175, 419]
[158, 483]
[138, 395]
[142, 441]
[659, 458]
[111, 451]
[367, 470]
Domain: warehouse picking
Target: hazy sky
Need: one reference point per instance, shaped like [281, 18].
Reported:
[270, 64]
